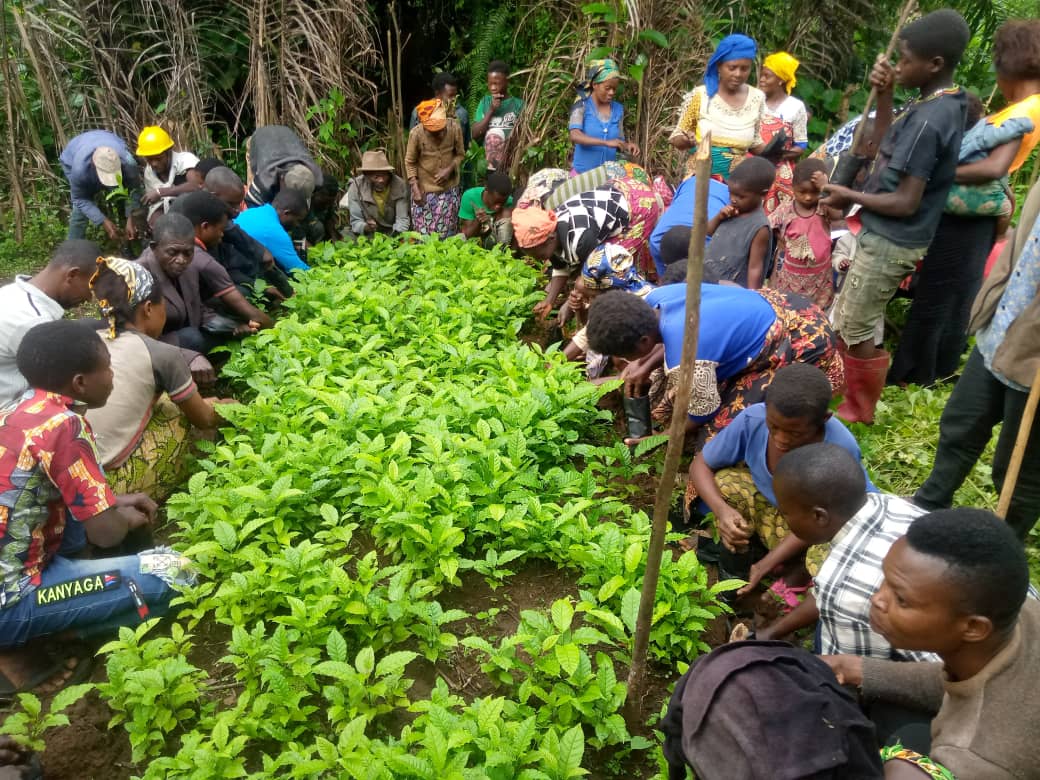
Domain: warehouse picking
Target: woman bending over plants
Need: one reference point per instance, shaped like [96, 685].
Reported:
[622, 212]
[143, 431]
[745, 337]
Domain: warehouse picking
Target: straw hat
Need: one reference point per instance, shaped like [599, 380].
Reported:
[374, 161]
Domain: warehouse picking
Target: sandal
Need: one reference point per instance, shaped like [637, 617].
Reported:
[787, 595]
[55, 666]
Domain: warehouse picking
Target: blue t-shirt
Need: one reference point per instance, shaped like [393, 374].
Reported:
[680, 213]
[262, 224]
[585, 117]
[745, 440]
[734, 323]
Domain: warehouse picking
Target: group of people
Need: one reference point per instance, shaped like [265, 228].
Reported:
[97, 416]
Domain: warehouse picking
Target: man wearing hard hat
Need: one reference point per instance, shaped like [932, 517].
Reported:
[167, 173]
[94, 162]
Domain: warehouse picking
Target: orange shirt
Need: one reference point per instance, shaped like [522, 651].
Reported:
[1030, 107]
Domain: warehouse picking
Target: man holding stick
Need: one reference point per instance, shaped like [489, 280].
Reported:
[994, 387]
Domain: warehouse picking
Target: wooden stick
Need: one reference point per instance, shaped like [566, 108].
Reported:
[1025, 428]
[892, 42]
[676, 434]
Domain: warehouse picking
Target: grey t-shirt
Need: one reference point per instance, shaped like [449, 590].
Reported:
[924, 141]
[726, 257]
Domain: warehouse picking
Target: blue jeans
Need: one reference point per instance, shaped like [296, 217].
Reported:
[87, 596]
[77, 224]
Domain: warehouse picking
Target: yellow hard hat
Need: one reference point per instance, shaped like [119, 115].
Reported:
[153, 140]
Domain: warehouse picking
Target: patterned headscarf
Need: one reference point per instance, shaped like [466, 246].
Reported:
[597, 72]
[611, 267]
[432, 115]
[784, 66]
[532, 226]
[732, 47]
[139, 286]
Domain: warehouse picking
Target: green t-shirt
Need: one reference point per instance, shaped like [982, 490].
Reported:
[503, 122]
[472, 200]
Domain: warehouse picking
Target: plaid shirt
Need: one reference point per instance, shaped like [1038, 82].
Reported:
[851, 574]
[49, 476]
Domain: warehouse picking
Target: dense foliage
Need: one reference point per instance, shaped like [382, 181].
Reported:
[398, 435]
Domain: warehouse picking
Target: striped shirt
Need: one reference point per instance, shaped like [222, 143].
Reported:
[852, 573]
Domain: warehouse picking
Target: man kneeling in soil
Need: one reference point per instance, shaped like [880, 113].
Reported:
[956, 585]
[53, 500]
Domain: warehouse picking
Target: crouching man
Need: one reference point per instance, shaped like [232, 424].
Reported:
[54, 498]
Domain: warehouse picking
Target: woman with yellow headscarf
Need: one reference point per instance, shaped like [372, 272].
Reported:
[143, 433]
[784, 113]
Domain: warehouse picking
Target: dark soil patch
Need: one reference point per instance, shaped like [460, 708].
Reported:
[494, 613]
[87, 749]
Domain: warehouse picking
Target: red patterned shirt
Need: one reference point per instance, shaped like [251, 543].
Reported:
[49, 475]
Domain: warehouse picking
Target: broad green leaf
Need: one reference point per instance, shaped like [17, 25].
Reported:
[648, 444]
[610, 587]
[66, 697]
[655, 37]
[569, 656]
[336, 646]
[365, 661]
[572, 748]
[225, 535]
[724, 586]
[394, 662]
[562, 614]
[633, 555]
[630, 608]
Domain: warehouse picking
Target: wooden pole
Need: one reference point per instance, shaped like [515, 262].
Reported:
[857, 135]
[676, 434]
[1025, 428]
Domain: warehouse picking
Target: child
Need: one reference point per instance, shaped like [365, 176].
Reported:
[55, 499]
[141, 434]
[823, 497]
[733, 474]
[956, 585]
[740, 235]
[270, 225]
[496, 117]
[485, 211]
[804, 236]
[904, 196]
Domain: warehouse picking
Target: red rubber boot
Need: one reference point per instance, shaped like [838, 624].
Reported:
[864, 382]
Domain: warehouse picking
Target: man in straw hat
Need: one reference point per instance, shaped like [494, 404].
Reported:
[377, 198]
[94, 162]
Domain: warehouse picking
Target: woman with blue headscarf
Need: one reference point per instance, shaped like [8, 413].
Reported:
[724, 104]
[597, 120]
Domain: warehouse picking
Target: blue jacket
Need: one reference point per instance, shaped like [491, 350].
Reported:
[83, 181]
[262, 224]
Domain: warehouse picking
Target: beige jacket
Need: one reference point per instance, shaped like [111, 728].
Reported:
[426, 155]
[1018, 356]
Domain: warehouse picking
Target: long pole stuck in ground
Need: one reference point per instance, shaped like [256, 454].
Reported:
[1025, 428]
[676, 433]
